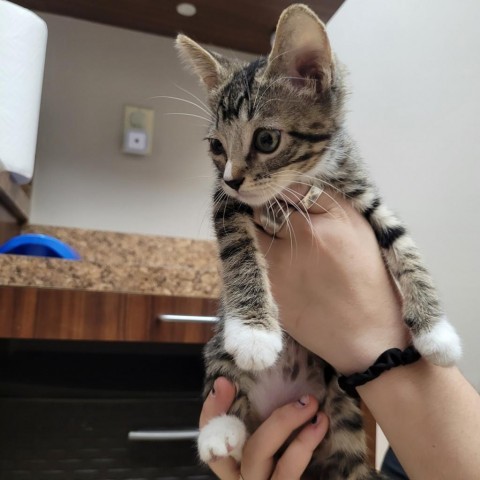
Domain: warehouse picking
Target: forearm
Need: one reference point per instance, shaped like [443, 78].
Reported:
[338, 301]
[431, 417]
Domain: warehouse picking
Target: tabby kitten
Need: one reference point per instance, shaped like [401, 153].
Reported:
[276, 121]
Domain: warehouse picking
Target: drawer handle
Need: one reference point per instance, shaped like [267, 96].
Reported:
[187, 318]
[162, 435]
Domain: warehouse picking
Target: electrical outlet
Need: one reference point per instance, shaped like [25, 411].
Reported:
[138, 130]
[136, 141]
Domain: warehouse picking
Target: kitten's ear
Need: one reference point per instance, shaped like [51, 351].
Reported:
[204, 64]
[301, 49]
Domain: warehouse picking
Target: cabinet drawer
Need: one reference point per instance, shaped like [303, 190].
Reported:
[53, 314]
[148, 319]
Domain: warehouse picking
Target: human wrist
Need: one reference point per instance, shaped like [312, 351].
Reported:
[365, 349]
[393, 379]
[391, 358]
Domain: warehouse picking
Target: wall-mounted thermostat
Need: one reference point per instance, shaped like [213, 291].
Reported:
[138, 130]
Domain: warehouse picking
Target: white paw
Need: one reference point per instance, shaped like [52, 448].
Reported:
[441, 345]
[252, 348]
[222, 437]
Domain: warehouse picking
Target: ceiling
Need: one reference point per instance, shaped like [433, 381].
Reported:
[244, 25]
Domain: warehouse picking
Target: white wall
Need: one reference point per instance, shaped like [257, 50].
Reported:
[414, 109]
[81, 177]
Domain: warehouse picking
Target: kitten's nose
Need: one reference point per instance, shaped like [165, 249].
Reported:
[235, 183]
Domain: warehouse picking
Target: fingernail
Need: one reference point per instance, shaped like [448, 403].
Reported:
[303, 401]
[212, 391]
[316, 419]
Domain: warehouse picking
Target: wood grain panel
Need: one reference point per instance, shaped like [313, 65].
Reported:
[370, 426]
[9, 226]
[84, 315]
[81, 315]
[244, 25]
[78, 315]
[14, 198]
[187, 332]
[138, 318]
[142, 321]
[17, 312]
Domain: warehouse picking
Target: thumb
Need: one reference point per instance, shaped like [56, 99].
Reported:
[328, 206]
[219, 400]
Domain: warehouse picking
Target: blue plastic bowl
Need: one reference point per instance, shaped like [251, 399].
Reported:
[39, 245]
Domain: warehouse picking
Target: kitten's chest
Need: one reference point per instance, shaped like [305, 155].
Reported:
[292, 376]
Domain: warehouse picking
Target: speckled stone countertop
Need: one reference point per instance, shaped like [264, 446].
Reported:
[119, 262]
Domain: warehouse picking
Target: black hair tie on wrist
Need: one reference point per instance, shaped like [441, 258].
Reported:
[387, 360]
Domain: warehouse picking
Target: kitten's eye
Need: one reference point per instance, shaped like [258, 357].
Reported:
[266, 141]
[216, 146]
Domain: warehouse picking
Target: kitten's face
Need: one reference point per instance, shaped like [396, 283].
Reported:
[266, 135]
[271, 119]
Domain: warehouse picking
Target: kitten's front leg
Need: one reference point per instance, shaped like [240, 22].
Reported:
[252, 333]
[433, 335]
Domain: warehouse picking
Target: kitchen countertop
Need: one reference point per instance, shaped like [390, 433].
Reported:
[119, 262]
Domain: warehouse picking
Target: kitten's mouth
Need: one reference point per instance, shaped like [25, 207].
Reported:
[291, 194]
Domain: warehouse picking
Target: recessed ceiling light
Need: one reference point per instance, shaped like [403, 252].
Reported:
[186, 9]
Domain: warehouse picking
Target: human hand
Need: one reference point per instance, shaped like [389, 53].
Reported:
[257, 459]
[334, 293]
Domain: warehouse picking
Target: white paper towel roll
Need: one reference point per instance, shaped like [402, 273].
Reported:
[23, 42]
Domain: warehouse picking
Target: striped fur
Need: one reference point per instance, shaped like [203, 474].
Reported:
[297, 95]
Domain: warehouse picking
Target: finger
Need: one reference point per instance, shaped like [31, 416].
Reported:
[218, 400]
[329, 205]
[257, 460]
[297, 456]
[217, 403]
[225, 468]
[328, 202]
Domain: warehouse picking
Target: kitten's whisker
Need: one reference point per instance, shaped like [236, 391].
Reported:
[265, 103]
[218, 202]
[268, 205]
[224, 210]
[299, 198]
[261, 94]
[185, 101]
[291, 231]
[276, 57]
[258, 98]
[286, 52]
[299, 207]
[342, 152]
[305, 214]
[335, 202]
[327, 194]
[247, 87]
[215, 204]
[195, 97]
[199, 176]
[273, 236]
[333, 187]
[204, 217]
[189, 115]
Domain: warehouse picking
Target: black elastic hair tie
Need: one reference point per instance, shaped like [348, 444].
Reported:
[387, 360]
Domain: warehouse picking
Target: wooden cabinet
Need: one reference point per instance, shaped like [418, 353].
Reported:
[14, 207]
[143, 322]
[36, 313]
[40, 313]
